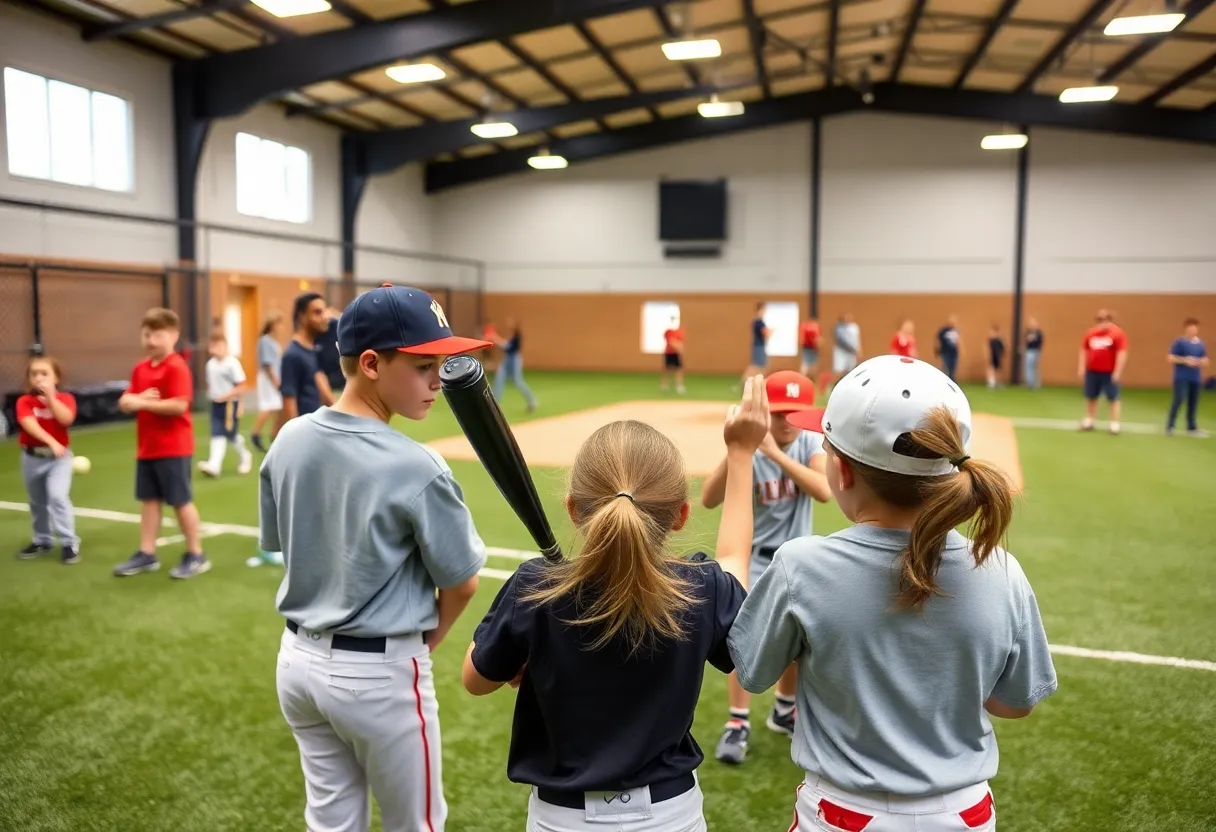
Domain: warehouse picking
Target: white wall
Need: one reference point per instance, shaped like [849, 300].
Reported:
[396, 213]
[1120, 214]
[593, 227]
[914, 205]
[37, 44]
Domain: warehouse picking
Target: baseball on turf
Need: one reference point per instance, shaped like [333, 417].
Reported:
[81, 464]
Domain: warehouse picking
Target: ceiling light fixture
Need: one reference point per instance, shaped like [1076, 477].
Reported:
[692, 50]
[488, 129]
[292, 8]
[415, 73]
[1004, 141]
[544, 161]
[713, 108]
[1081, 95]
[1143, 24]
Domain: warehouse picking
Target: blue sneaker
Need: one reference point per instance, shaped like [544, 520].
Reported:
[190, 566]
[139, 562]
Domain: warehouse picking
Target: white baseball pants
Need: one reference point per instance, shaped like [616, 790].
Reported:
[823, 807]
[631, 811]
[364, 721]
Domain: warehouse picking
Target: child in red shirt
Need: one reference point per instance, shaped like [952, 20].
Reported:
[673, 355]
[43, 417]
[159, 395]
[904, 341]
[1100, 364]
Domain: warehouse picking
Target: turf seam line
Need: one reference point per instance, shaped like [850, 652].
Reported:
[214, 529]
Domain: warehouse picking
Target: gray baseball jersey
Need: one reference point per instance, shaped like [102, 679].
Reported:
[780, 511]
[369, 522]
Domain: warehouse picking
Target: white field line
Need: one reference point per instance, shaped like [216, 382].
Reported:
[1074, 425]
[213, 529]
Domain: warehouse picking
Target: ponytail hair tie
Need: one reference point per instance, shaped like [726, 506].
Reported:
[626, 495]
[959, 462]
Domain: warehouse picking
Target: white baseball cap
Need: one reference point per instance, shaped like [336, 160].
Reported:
[873, 408]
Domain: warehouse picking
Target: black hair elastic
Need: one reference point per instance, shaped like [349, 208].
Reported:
[958, 463]
[626, 495]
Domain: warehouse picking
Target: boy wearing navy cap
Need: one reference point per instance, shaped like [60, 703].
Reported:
[381, 558]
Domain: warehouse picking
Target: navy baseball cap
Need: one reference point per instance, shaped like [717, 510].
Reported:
[400, 318]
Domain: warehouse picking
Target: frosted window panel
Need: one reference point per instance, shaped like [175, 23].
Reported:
[71, 156]
[26, 124]
[247, 182]
[274, 184]
[656, 319]
[298, 196]
[111, 143]
[782, 320]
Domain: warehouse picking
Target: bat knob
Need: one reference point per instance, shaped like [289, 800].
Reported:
[460, 372]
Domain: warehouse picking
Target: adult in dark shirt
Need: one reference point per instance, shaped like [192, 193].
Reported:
[996, 355]
[759, 339]
[326, 347]
[608, 649]
[304, 387]
[512, 366]
[949, 346]
[1032, 351]
[1188, 356]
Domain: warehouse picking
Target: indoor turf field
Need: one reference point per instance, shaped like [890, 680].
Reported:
[149, 704]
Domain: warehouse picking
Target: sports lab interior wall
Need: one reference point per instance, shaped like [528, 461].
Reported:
[916, 221]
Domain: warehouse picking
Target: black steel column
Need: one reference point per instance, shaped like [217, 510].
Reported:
[354, 182]
[189, 137]
[1019, 260]
[816, 170]
[36, 305]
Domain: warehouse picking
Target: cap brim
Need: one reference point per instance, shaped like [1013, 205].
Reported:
[811, 420]
[789, 407]
[452, 345]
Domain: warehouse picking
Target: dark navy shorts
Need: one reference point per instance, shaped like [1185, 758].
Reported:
[1101, 384]
[165, 480]
[672, 360]
[224, 419]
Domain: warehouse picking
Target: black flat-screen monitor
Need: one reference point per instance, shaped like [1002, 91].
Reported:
[692, 209]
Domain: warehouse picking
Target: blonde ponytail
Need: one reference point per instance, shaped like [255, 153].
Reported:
[627, 490]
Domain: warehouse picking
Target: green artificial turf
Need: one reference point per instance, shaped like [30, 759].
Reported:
[149, 704]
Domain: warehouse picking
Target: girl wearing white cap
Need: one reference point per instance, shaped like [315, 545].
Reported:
[908, 635]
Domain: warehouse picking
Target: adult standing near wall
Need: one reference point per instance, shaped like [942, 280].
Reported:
[759, 335]
[270, 369]
[1032, 352]
[512, 365]
[949, 347]
[1188, 355]
[847, 350]
[1101, 362]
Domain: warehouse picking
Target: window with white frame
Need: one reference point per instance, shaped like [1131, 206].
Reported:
[273, 180]
[782, 320]
[658, 316]
[66, 133]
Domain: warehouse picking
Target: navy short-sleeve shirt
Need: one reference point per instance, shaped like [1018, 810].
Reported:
[603, 720]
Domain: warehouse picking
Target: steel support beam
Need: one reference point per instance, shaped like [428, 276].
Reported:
[1019, 259]
[757, 35]
[1151, 42]
[994, 26]
[232, 82]
[833, 35]
[1058, 51]
[189, 138]
[1189, 77]
[105, 31]
[905, 44]
[354, 182]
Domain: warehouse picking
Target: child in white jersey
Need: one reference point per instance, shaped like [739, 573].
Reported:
[226, 383]
[907, 634]
[788, 472]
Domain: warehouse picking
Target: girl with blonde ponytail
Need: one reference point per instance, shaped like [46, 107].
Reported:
[908, 635]
[608, 648]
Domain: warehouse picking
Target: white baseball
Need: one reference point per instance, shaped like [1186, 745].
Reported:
[81, 464]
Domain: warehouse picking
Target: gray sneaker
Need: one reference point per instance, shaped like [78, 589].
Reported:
[139, 562]
[781, 724]
[190, 566]
[732, 747]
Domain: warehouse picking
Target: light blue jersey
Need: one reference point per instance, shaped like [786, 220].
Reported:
[780, 510]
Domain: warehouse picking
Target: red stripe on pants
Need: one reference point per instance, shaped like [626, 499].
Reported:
[794, 825]
[426, 748]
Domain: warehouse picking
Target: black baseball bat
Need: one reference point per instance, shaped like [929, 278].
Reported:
[467, 389]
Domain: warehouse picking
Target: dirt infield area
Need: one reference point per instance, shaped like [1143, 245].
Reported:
[696, 428]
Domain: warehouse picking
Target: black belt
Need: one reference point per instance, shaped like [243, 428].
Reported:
[355, 644]
[41, 451]
[766, 551]
[665, 790]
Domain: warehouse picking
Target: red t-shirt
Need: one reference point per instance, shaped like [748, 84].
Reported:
[158, 437]
[809, 333]
[903, 345]
[674, 339]
[31, 405]
[1101, 347]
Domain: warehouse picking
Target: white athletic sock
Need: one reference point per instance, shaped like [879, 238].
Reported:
[239, 444]
[218, 446]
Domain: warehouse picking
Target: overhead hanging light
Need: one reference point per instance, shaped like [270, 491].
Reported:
[1004, 141]
[415, 73]
[713, 108]
[692, 50]
[489, 129]
[544, 161]
[1080, 95]
[1144, 24]
[293, 8]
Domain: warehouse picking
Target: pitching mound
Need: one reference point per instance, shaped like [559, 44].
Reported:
[696, 428]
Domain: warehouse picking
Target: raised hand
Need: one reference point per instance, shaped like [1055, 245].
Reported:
[747, 422]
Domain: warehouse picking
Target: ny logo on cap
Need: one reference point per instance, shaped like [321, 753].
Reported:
[792, 390]
[439, 316]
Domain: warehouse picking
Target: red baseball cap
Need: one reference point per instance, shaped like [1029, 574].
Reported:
[789, 391]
